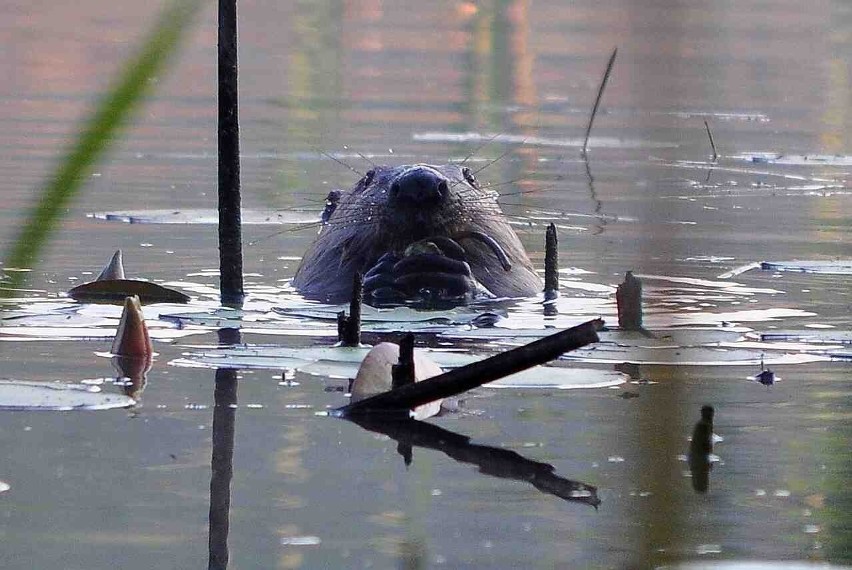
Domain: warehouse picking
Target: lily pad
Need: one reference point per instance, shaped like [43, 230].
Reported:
[795, 159]
[810, 336]
[370, 314]
[506, 138]
[116, 290]
[559, 378]
[214, 361]
[836, 267]
[657, 337]
[206, 216]
[694, 356]
[331, 361]
[34, 396]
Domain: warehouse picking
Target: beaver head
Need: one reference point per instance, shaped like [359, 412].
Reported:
[392, 207]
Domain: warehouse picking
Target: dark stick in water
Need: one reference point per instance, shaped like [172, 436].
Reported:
[598, 99]
[403, 372]
[628, 298]
[476, 374]
[230, 231]
[712, 142]
[551, 263]
[349, 328]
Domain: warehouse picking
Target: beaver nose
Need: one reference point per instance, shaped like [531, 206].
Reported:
[419, 187]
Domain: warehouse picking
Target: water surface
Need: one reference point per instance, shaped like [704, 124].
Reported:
[430, 82]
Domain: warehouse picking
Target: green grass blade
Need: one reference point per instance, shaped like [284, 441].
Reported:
[110, 114]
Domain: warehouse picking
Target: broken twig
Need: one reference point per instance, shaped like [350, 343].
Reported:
[468, 377]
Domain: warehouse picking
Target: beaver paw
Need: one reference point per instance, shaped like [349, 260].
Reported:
[429, 278]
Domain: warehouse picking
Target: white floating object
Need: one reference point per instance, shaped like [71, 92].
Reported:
[374, 376]
[58, 397]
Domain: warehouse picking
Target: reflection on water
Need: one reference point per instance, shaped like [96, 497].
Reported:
[409, 82]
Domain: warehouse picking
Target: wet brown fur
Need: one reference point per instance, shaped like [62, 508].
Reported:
[364, 226]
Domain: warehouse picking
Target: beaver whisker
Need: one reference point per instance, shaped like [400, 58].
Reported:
[529, 191]
[491, 163]
[487, 142]
[366, 158]
[338, 161]
[504, 183]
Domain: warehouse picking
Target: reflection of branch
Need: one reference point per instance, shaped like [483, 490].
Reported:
[493, 461]
[599, 229]
[221, 463]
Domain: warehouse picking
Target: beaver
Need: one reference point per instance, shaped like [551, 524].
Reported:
[419, 234]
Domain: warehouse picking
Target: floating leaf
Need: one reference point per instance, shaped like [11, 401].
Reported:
[840, 354]
[837, 267]
[116, 290]
[560, 378]
[206, 216]
[695, 356]
[599, 142]
[795, 159]
[339, 361]
[58, 397]
[809, 336]
[459, 315]
[671, 337]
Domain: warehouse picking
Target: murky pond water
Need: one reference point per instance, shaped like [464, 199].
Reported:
[432, 82]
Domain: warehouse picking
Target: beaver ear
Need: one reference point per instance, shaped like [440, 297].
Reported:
[368, 179]
[469, 177]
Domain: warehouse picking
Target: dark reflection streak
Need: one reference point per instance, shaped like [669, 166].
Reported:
[700, 449]
[599, 228]
[221, 463]
[493, 461]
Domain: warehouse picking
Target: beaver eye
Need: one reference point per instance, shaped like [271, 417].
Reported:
[368, 178]
[471, 179]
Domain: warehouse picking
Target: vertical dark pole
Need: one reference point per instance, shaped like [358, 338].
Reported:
[403, 372]
[221, 464]
[551, 263]
[551, 271]
[230, 240]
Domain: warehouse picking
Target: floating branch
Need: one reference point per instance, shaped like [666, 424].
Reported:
[473, 375]
[598, 99]
[712, 142]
